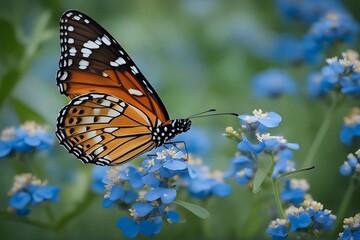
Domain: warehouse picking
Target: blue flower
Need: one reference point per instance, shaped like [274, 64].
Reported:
[299, 219]
[115, 180]
[278, 229]
[294, 191]
[350, 127]
[267, 144]
[131, 228]
[167, 195]
[351, 228]
[260, 121]
[97, 175]
[272, 83]
[28, 190]
[29, 136]
[350, 166]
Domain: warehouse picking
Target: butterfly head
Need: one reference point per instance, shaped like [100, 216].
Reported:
[169, 130]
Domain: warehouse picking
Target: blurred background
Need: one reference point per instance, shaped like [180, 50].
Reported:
[198, 55]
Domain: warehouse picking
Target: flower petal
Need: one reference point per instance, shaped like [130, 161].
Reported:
[128, 227]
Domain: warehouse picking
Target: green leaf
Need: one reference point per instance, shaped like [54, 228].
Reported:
[25, 112]
[265, 166]
[195, 209]
[259, 178]
[8, 82]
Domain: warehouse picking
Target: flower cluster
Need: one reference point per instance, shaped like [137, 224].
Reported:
[254, 128]
[340, 75]
[310, 217]
[350, 127]
[351, 165]
[351, 228]
[148, 192]
[27, 190]
[334, 26]
[29, 136]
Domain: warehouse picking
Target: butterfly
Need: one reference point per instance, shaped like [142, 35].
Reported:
[114, 115]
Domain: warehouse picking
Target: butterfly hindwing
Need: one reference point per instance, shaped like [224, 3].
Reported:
[92, 61]
[102, 129]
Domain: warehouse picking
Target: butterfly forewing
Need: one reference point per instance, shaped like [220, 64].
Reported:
[92, 61]
[101, 129]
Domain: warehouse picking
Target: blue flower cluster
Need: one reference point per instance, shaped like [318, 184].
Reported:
[272, 83]
[29, 136]
[351, 165]
[350, 127]
[310, 217]
[333, 26]
[294, 191]
[28, 191]
[149, 191]
[254, 129]
[351, 228]
[340, 75]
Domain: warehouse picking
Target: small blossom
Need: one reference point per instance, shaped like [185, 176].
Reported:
[29, 136]
[272, 83]
[28, 190]
[267, 143]
[351, 165]
[260, 120]
[278, 229]
[298, 218]
[351, 228]
[350, 127]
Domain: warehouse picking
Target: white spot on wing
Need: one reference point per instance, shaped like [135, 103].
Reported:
[135, 92]
[70, 28]
[72, 51]
[86, 52]
[83, 64]
[105, 39]
[91, 45]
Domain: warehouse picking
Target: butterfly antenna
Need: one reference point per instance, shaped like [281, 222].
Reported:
[209, 114]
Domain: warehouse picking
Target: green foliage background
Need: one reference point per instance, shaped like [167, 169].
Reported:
[190, 51]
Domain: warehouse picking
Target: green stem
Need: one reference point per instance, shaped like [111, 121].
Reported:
[12, 217]
[344, 205]
[277, 198]
[309, 159]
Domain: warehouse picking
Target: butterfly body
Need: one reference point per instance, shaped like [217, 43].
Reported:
[114, 114]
